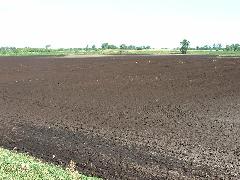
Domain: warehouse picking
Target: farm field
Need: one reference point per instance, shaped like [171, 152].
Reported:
[125, 117]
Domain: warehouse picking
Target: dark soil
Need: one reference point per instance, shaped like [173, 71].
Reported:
[125, 117]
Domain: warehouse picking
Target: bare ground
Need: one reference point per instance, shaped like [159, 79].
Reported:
[125, 117]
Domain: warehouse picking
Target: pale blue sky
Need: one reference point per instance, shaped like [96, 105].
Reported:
[158, 23]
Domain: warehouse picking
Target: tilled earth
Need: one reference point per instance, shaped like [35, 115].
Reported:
[125, 117]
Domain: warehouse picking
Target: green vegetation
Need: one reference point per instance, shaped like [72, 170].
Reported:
[184, 46]
[214, 52]
[17, 166]
[123, 49]
[219, 47]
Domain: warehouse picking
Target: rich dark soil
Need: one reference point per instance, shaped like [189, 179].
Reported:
[125, 117]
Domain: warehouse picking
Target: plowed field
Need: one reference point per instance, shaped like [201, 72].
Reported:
[125, 117]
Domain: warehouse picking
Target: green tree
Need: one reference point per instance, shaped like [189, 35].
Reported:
[140, 48]
[219, 47]
[184, 46]
[123, 46]
[94, 47]
[228, 48]
[236, 47]
[105, 46]
[131, 47]
[111, 46]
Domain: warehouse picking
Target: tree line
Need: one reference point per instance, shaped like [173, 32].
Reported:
[218, 47]
[124, 47]
[47, 48]
[185, 46]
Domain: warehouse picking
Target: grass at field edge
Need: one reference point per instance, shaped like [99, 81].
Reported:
[19, 166]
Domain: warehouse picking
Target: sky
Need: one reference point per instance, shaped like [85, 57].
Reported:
[158, 23]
